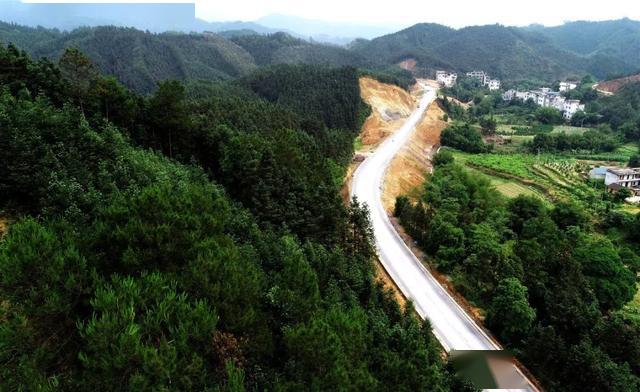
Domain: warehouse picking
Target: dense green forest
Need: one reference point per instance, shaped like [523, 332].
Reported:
[612, 40]
[505, 52]
[141, 59]
[550, 278]
[171, 242]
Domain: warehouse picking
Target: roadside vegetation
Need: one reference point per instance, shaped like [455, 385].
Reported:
[552, 280]
[549, 256]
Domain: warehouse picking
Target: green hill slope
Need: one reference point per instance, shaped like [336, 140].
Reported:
[611, 46]
[141, 59]
[506, 52]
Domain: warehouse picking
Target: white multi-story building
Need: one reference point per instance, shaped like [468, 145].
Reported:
[547, 98]
[485, 80]
[482, 76]
[570, 107]
[557, 101]
[616, 179]
[509, 95]
[567, 86]
[446, 79]
[494, 84]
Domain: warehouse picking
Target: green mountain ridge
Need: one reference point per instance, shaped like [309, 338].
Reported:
[506, 52]
[141, 59]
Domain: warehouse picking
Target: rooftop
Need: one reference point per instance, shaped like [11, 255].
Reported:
[624, 172]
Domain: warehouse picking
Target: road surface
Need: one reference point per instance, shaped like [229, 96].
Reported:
[451, 325]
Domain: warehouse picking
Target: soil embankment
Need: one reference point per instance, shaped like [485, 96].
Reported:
[612, 86]
[390, 105]
[408, 170]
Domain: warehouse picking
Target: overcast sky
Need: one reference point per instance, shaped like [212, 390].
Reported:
[455, 13]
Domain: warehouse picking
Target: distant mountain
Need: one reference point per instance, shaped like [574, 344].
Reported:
[140, 59]
[180, 17]
[616, 39]
[154, 17]
[506, 52]
[222, 50]
[282, 48]
[322, 31]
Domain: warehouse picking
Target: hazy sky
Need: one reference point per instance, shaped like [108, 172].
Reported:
[454, 13]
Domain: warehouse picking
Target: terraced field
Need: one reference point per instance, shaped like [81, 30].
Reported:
[509, 188]
[548, 176]
[621, 154]
[507, 129]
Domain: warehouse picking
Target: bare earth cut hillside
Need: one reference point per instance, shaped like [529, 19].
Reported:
[612, 86]
[409, 168]
[389, 105]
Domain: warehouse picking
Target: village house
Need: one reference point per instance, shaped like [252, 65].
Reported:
[485, 80]
[598, 173]
[546, 98]
[494, 84]
[567, 86]
[629, 178]
[482, 76]
[570, 107]
[446, 79]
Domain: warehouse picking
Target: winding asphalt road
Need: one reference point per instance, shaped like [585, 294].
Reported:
[452, 326]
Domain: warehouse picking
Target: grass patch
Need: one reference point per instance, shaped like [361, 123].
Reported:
[357, 144]
[505, 129]
[552, 176]
[632, 209]
[632, 309]
[508, 188]
[513, 143]
[515, 164]
[569, 130]
[621, 154]
[509, 129]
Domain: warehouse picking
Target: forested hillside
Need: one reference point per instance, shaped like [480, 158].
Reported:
[552, 278]
[616, 40]
[190, 244]
[282, 48]
[505, 52]
[140, 60]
